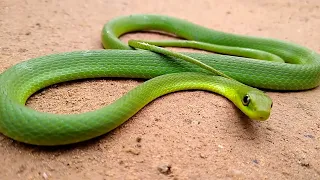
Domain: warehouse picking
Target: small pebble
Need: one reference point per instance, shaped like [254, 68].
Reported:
[195, 122]
[304, 164]
[203, 156]
[138, 139]
[309, 136]
[138, 145]
[164, 168]
[44, 175]
[133, 151]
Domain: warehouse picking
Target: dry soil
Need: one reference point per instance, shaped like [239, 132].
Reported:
[185, 135]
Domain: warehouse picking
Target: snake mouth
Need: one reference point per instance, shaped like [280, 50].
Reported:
[257, 115]
[261, 116]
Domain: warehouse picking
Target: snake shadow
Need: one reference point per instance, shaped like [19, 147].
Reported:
[87, 145]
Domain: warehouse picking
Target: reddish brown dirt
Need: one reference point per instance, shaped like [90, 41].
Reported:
[185, 135]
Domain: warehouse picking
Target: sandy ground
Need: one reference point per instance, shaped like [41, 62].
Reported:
[185, 135]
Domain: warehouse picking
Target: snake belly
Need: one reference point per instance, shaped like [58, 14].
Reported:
[300, 72]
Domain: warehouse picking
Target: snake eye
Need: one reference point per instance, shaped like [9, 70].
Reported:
[246, 100]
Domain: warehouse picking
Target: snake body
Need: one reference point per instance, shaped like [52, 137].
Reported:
[300, 71]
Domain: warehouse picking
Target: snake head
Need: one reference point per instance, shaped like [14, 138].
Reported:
[254, 103]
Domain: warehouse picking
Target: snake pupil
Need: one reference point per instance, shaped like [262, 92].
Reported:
[246, 100]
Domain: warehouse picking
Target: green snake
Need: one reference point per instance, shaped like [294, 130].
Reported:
[294, 68]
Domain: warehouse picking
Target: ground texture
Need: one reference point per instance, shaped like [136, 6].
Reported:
[185, 135]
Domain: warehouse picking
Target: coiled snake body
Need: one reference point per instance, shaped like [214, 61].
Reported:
[300, 71]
